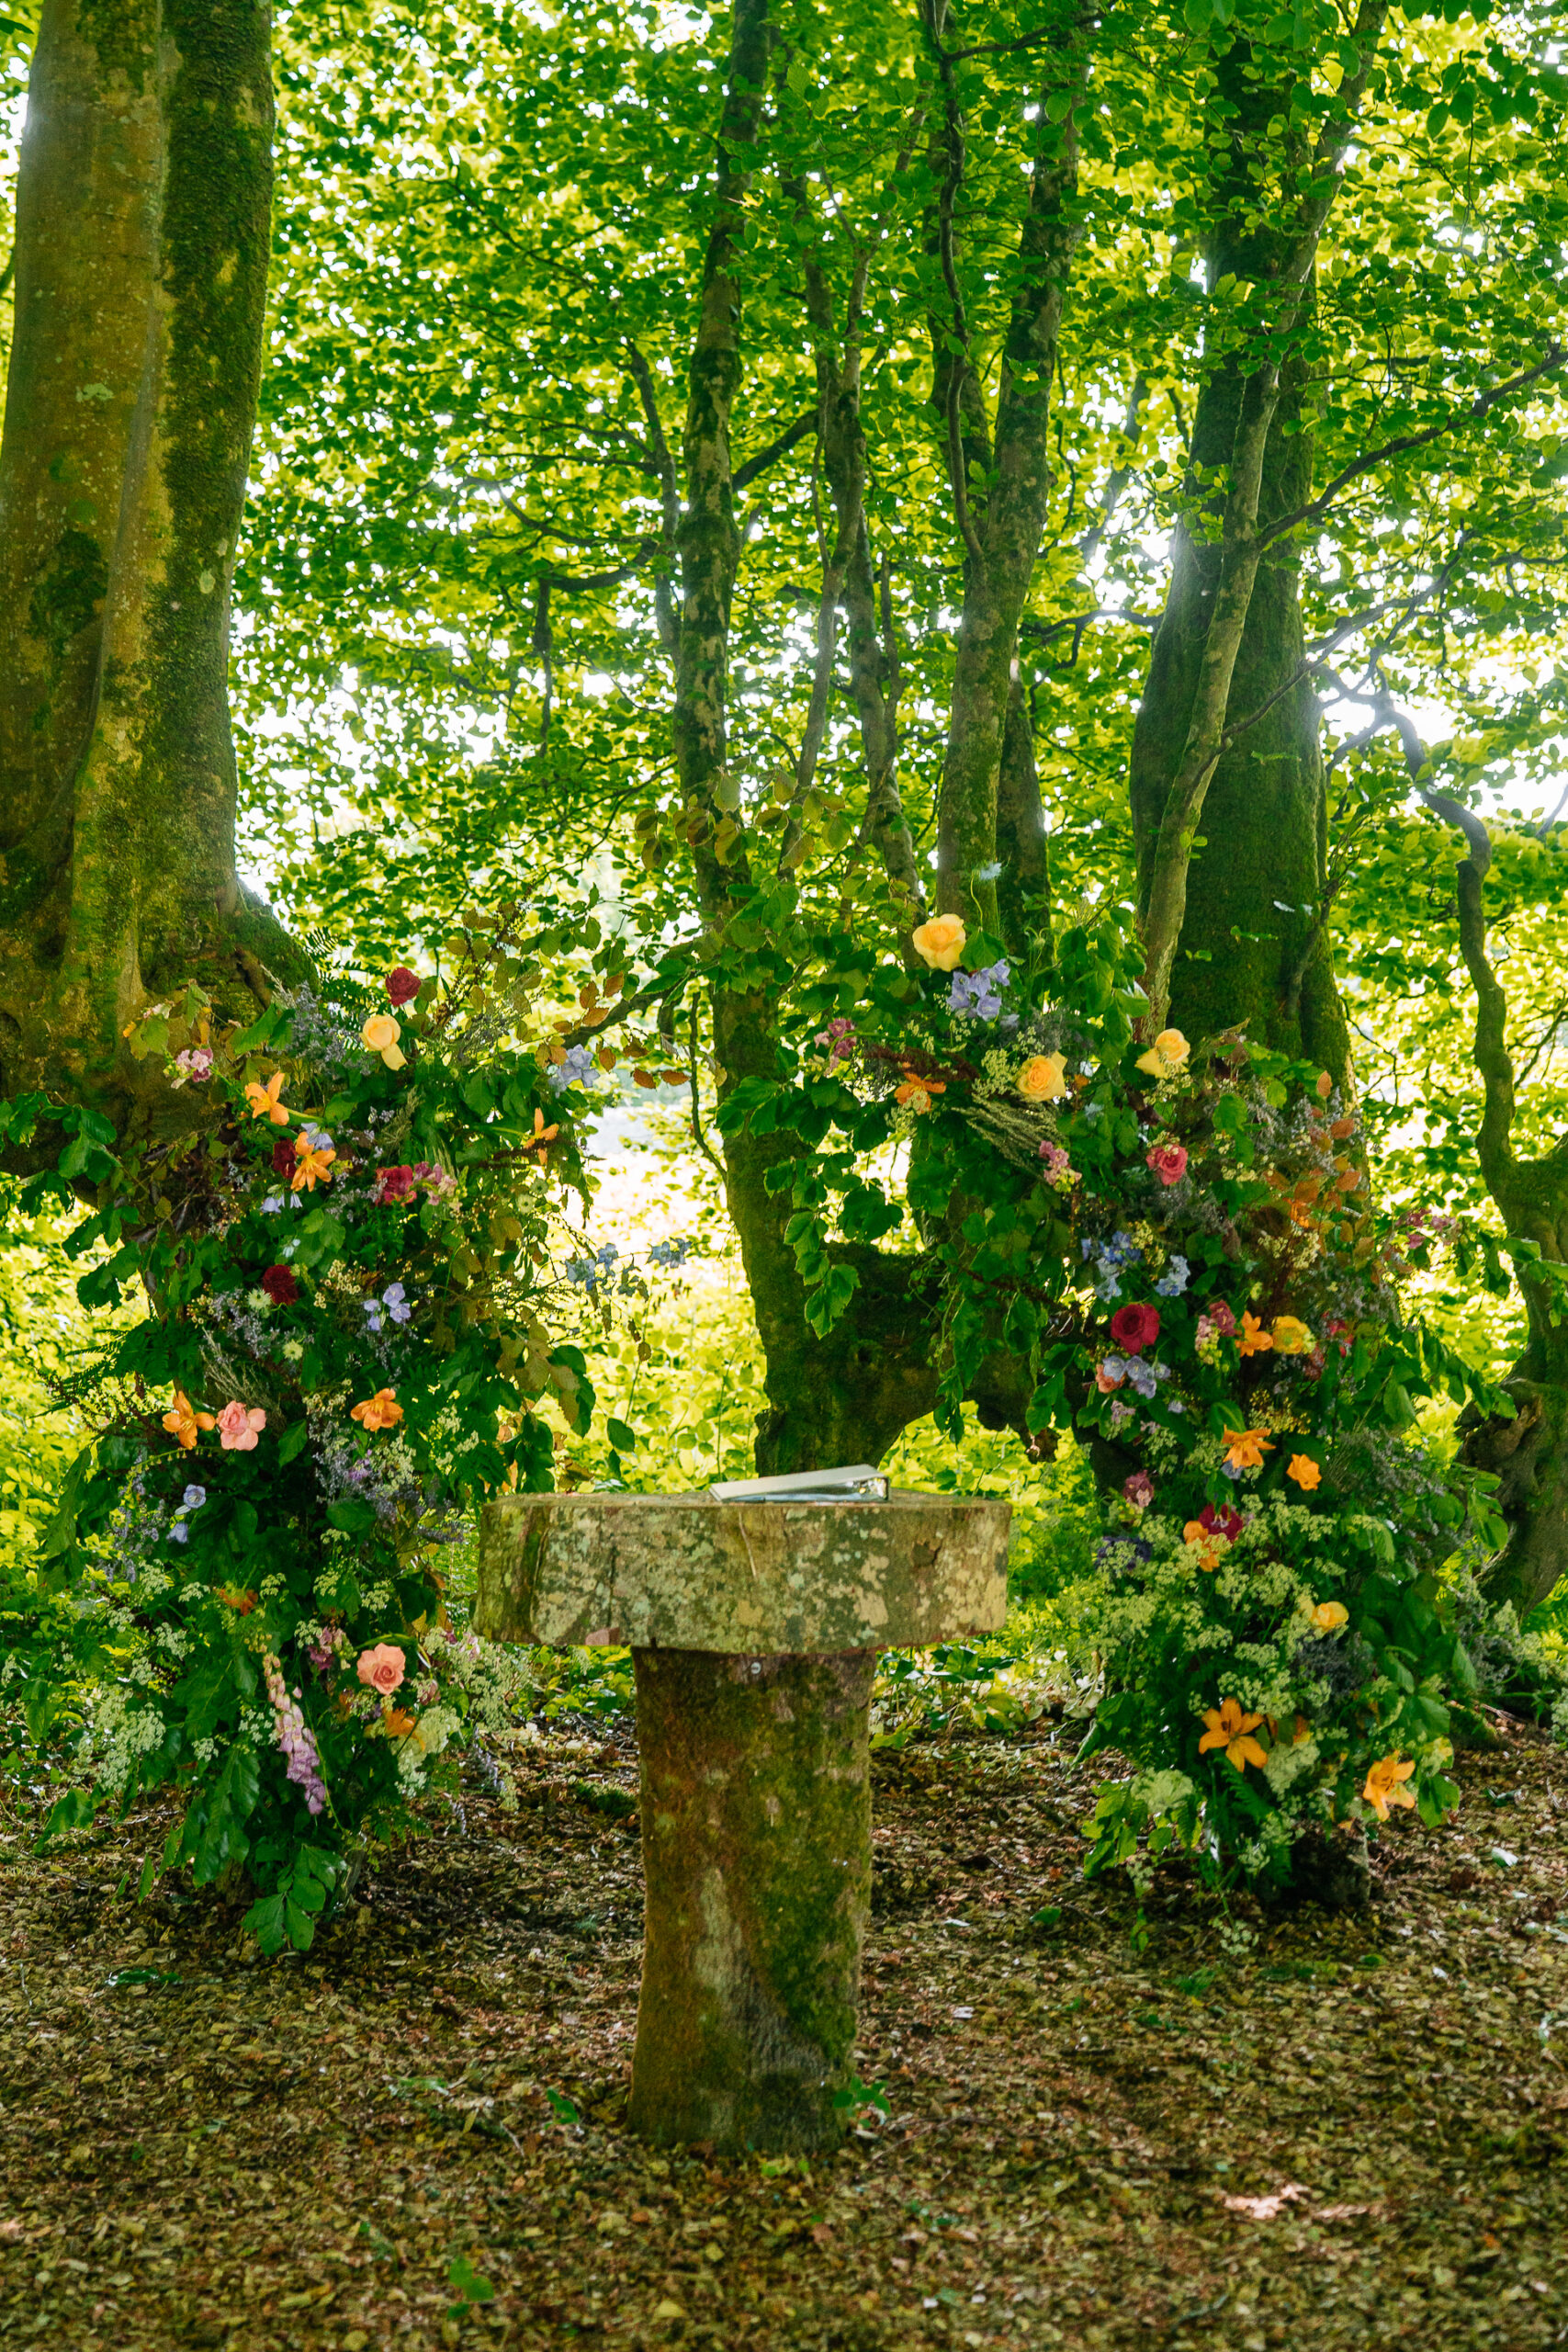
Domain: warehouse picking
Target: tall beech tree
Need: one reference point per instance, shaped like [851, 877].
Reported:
[142, 233]
[844, 466]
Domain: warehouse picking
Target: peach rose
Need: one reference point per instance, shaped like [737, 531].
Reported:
[382, 1668]
[1042, 1079]
[239, 1426]
[381, 1034]
[940, 942]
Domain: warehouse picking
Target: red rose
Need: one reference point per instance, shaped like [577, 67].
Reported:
[283, 1155]
[1136, 1328]
[281, 1285]
[1169, 1161]
[402, 986]
[395, 1184]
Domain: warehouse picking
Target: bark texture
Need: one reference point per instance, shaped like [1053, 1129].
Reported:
[1199, 707]
[1529, 1454]
[143, 225]
[756, 1840]
[687, 1572]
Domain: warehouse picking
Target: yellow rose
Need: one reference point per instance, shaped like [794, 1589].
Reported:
[381, 1034]
[1165, 1055]
[940, 942]
[1292, 1337]
[1042, 1079]
[1329, 1615]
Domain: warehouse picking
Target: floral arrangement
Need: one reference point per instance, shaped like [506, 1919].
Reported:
[1176, 1250]
[343, 1256]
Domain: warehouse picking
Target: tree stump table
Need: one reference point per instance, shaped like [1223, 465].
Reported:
[754, 1629]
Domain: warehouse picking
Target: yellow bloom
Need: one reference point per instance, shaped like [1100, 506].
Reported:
[312, 1165]
[1304, 1471]
[1292, 1337]
[1244, 1449]
[184, 1421]
[264, 1101]
[1165, 1055]
[1329, 1616]
[1252, 1338]
[381, 1034]
[1385, 1785]
[940, 942]
[1230, 1729]
[1042, 1079]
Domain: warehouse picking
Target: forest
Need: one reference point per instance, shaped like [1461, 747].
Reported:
[809, 744]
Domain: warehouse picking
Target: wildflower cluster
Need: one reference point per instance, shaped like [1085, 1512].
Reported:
[345, 1265]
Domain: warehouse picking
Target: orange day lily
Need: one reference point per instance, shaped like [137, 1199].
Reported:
[312, 1164]
[918, 1091]
[264, 1101]
[1304, 1471]
[1230, 1729]
[378, 1412]
[1216, 1545]
[541, 1138]
[397, 1723]
[1385, 1785]
[1252, 1338]
[184, 1421]
[1244, 1449]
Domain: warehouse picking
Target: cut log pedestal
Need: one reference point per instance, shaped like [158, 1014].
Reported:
[754, 1629]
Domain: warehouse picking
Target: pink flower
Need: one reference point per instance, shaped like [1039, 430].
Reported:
[195, 1062]
[1169, 1161]
[382, 1668]
[238, 1427]
[1222, 1318]
[1139, 1491]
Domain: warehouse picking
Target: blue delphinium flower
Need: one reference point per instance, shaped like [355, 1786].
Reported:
[1173, 1282]
[577, 1069]
[975, 995]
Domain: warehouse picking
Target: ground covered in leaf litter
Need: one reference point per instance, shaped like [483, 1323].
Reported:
[1352, 2131]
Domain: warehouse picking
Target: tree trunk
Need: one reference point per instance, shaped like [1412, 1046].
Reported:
[1253, 948]
[756, 1841]
[142, 233]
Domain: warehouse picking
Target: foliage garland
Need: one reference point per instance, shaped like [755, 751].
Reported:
[1178, 1247]
[340, 1359]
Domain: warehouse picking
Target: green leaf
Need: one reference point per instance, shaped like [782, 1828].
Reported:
[622, 1437]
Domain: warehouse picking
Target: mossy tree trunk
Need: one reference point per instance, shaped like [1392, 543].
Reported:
[1528, 1452]
[142, 231]
[756, 1840]
[1226, 750]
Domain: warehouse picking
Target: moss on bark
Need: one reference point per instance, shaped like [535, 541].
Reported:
[756, 1839]
[143, 225]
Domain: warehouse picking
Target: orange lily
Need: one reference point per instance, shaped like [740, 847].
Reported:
[381, 1411]
[1214, 1546]
[312, 1166]
[1230, 1729]
[397, 1723]
[1244, 1449]
[264, 1101]
[1252, 1338]
[1385, 1784]
[184, 1421]
[541, 1138]
[1304, 1471]
[918, 1091]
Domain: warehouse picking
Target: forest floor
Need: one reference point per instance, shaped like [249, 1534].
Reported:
[1351, 2129]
